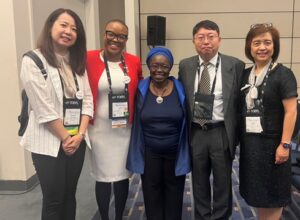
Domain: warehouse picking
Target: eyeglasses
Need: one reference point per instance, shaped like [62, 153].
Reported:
[265, 25]
[111, 36]
[157, 66]
[201, 37]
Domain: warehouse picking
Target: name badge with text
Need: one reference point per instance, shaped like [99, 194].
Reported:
[253, 125]
[118, 109]
[72, 115]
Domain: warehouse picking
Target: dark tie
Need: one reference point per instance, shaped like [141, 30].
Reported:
[204, 86]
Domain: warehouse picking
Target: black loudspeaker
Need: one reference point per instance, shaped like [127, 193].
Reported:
[156, 30]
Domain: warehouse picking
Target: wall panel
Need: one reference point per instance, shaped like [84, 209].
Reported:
[296, 70]
[41, 11]
[235, 47]
[296, 51]
[297, 5]
[235, 25]
[297, 24]
[207, 6]
[180, 49]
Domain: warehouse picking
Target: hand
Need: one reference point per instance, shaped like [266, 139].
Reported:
[65, 143]
[71, 146]
[282, 154]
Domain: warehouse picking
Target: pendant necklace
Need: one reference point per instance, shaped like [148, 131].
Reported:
[160, 98]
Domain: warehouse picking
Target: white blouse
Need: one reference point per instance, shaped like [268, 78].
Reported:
[46, 104]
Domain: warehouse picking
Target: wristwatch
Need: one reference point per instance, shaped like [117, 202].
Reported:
[81, 134]
[286, 145]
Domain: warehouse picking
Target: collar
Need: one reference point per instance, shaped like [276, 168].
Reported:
[145, 83]
[212, 61]
[102, 59]
[63, 59]
[264, 70]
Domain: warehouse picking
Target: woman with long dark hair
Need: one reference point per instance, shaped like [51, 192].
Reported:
[60, 109]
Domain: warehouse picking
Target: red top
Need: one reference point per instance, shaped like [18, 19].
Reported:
[95, 67]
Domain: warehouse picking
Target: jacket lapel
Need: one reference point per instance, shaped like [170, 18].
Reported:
[227, 81]
[55, 79]
[190, 79]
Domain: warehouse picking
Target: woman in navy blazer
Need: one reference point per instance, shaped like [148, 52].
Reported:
[159, 148]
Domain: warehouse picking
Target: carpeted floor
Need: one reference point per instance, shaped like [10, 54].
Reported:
[135, 206]
[241, 211]
[27, 205]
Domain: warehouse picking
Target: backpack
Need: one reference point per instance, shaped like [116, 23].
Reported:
[24, 117]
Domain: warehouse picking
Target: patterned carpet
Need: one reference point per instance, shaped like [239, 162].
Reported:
[135, 206]
[241, 211]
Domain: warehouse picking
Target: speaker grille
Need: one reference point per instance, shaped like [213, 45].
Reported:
[156, 30]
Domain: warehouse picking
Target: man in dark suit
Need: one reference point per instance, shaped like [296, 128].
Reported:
[211, 82]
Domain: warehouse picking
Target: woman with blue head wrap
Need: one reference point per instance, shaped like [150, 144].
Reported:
[158, 147]
[160, 61]
[160, 51]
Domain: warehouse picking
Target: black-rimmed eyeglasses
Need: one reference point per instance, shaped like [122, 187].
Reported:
[120, 37]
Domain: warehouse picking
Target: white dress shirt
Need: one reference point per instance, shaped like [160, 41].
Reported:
[218, 113]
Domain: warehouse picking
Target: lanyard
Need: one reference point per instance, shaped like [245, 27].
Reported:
[108, 72]
[264, 84]
[214, 82]
[62, 85]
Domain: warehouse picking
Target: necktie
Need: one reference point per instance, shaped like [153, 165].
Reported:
[204, 86]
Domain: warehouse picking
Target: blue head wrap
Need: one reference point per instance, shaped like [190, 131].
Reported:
[160, 51]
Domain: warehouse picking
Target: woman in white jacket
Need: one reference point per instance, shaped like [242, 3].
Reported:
[60, 109]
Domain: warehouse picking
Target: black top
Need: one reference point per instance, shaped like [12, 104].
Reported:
[161, 123]
[281, 84]
[262, 182]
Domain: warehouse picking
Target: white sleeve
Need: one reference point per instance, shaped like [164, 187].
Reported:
[87, 104]
[38, 91]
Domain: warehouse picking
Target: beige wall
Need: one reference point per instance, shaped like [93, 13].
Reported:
[234, 19]
[21, 23]
[126, 10]
[109, 9]
[132, 19]
[11, 155]
[40, 11]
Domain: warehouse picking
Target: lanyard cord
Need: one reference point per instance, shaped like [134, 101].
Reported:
[108, 73]
[264, 84]
[62, 85]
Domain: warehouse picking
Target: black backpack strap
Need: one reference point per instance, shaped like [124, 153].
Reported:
[37, 61]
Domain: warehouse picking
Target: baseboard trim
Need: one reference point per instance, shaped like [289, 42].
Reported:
[18, 185]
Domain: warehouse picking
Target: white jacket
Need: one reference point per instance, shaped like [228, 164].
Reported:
[46, 104]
